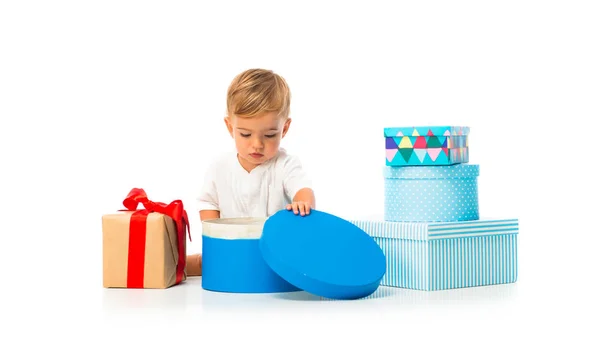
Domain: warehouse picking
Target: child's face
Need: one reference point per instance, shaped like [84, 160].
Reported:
[257, 139]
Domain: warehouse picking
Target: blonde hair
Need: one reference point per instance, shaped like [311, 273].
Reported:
[258, 91]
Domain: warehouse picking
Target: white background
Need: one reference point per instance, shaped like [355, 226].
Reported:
[99, 97]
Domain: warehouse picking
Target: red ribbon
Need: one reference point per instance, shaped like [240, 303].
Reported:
[137, 234]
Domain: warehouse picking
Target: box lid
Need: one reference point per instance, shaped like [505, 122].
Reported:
[458, 171]
[444, 130]
[322, 254]
[426, 231]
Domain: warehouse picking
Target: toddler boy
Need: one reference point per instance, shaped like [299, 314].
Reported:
[259, 178]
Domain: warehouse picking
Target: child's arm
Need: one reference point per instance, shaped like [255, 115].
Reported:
[208, 200]
[303, 202]
[208, 203]
[298, 186]
[209, 214]
[306, 195]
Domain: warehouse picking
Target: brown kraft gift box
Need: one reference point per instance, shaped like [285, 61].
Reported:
[144, 248]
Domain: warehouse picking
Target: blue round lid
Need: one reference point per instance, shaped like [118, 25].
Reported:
[322, 254]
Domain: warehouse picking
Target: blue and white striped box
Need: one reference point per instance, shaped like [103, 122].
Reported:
[446, 255]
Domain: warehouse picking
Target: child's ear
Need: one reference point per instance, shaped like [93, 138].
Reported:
[286, 126]
[229, 126]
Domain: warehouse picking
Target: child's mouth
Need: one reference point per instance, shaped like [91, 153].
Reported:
[256, 156]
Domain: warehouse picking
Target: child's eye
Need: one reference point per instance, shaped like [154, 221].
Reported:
[245, 135]
[270, 135]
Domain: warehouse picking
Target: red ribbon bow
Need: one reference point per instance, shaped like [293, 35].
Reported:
[137, 234]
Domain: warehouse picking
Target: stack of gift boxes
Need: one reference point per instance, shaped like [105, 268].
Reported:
[431, 232]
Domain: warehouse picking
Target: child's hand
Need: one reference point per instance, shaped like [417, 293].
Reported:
[299, 207]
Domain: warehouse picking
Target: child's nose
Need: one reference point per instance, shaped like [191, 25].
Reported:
[258, 143]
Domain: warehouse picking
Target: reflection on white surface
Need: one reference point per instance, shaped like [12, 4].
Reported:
[191, 296]
[473, 295]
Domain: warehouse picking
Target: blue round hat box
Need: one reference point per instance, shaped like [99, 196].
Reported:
[231, 259]
[322, 254]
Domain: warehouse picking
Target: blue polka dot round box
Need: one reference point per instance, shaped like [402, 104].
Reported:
[431, 193]
[426, 146]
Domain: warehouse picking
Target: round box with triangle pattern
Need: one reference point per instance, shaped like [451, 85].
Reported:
[426, 146]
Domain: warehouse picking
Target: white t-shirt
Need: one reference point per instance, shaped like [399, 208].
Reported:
[263, 191]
